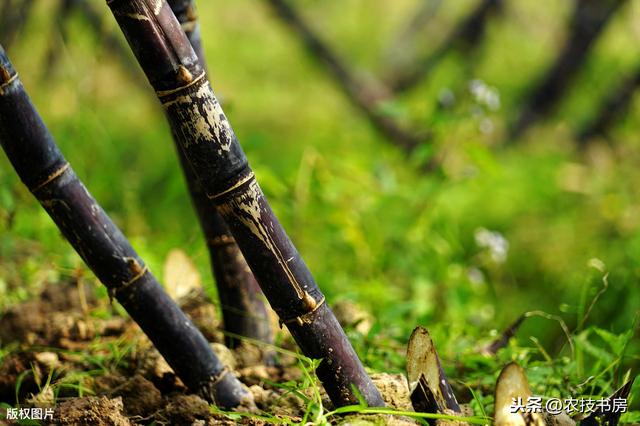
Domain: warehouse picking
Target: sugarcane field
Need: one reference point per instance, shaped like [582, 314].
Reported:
[339, 212]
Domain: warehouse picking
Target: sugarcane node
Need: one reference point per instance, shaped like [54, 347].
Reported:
[135, 268]
[184, 75]
[164, 93]
[309, 302]
[7, 78]
[244, 180]
[221, 240]
[53, 176]
[189, 26]
[218, 377]
[10, 80]
[217, 390]
[191, 13]
[5, 75]
[306, 318]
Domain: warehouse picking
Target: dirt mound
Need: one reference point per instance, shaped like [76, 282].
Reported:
[64, 345]
[91, 411]
[59, 317]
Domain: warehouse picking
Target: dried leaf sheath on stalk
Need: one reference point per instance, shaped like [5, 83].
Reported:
[218, 161]
[41, 166]
[243, 310]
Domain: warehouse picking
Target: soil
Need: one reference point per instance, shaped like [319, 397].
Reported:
[71, 351]
[99, 411]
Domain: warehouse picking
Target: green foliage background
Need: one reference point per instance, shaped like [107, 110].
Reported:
[371, 224]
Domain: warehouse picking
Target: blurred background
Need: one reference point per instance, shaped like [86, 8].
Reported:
[513, 199]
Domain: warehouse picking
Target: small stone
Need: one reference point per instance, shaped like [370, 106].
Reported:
[225, 355]
[394, 389]
[352, 315]
[47, 359]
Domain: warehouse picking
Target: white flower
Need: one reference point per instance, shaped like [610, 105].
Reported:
[484, 94]
[446, 98]
[475, 276]
[497, 245]
[486, 126]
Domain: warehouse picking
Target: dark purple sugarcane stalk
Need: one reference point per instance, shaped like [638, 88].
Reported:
[588, 20]
[466, 36]
[212, 149]
[90, 12]
[243, 310]
[613, 108]
[503, 340]
[367, 95]
[43, 169]
[13, 17]
[401, 47]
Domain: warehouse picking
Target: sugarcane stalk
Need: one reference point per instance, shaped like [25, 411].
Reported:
[466, 36]
[243, 310]
[212, 149]
[609, 417]
[366, 94]
[588, 20]
[612, 108]
[13, 17]
[401, 49]
[59, 36]
[504, 338]
[107, 38]
[44, 170]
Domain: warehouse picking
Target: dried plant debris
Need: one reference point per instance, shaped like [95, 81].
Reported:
[611, 418]
[503, 340]
[512, 385]
[513, 392]
[352, 315]
[429, 387]
[139, 387]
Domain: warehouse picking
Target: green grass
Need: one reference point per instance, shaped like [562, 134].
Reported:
[372, 226]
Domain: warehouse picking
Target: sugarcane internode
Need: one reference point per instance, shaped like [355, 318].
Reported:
[211, 148]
